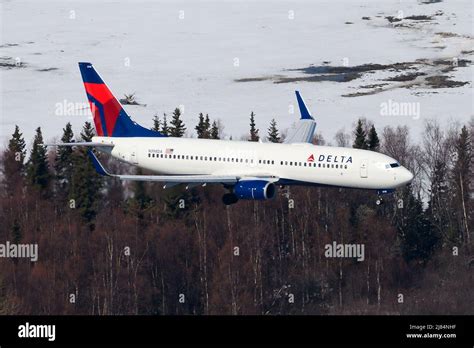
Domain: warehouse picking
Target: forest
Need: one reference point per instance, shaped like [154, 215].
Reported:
[107, 247]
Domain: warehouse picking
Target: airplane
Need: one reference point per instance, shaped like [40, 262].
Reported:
[248, 170]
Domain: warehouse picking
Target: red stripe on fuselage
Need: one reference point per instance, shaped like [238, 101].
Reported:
[110, 105]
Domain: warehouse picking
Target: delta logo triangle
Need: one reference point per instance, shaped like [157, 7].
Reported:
[311, 158]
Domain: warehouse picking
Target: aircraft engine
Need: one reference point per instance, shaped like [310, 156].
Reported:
[255, 189]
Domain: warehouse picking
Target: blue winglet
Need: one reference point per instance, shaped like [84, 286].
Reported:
[97, 165]
[305, 115]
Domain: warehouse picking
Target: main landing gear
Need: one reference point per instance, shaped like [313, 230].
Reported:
[229, 199]
[379, 201]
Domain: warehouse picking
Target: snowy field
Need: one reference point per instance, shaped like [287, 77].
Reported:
[228, 58]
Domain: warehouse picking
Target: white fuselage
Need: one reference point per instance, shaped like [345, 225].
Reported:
[292, 163]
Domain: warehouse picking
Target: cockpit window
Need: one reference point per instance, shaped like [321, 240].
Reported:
[395, 165]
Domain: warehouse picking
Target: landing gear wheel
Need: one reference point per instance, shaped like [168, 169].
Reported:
[379, 201]
[229, 198]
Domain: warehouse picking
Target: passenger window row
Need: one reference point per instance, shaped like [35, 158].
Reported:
[241, 160]
[201, 158]
[313, 164]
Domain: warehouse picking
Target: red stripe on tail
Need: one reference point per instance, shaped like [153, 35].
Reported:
[110, 106]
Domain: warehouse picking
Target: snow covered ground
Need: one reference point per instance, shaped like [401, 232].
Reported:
[193, 54]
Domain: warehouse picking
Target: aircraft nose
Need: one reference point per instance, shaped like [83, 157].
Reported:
[406, 176]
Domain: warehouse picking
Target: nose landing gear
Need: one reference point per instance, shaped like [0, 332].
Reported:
[379, 200]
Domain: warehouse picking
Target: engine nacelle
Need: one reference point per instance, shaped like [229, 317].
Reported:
[254, 189]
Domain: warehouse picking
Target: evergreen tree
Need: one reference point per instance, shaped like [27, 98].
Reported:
[203, 128]
[418, 239]
[114, 191]
[273, 132]
[253, 130]
[64, 165]
[373, 142]
[207, 127]
[87, 184]
[140, 194]
[461, 176]
[164, 128]
[37, 167]
[14, 161]
[141, 199]
[156, 124]
[438, 203]
[200, 126]
[360, 141]
[215, 131]
[177, 128]
[180, 203]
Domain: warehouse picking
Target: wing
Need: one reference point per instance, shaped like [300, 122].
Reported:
[304, 129]
[88, 143]
[169, 180]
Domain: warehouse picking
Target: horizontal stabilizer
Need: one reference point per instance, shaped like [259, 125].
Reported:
[88, 143]
[99, 168]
